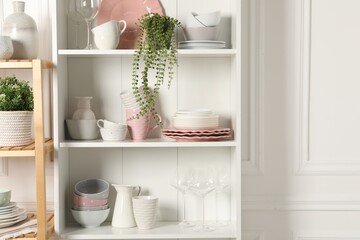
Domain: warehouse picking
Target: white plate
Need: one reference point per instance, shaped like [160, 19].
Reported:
[201, 44]
[17, 213]
[13, 219]
[8, 224]
[9, 206]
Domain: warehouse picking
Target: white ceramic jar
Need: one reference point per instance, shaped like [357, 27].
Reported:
[23, 32]
[83, 111]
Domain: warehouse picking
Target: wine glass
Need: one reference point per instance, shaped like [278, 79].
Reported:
[222, 182]
[88, 9]
[75, 17]
[181, 182]
[202, 184]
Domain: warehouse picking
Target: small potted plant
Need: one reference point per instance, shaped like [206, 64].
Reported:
[155, 53]
[16, 110]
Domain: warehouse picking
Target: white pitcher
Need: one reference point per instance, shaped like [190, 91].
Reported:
[123, 216]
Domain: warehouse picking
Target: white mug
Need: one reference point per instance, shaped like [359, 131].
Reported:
[107, 35]
[102, 123]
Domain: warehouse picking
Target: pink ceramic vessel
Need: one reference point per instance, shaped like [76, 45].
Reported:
[81, 201]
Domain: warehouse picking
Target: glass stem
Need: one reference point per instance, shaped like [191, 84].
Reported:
[77, 35]
[184, 211]
[89, 40]
[203, 211]
[216, 206]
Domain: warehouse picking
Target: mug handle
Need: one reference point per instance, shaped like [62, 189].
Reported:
[123, 29]
[138, 194]
[98, 123]
[155, 126]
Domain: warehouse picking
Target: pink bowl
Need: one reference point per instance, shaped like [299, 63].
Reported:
[81, 201]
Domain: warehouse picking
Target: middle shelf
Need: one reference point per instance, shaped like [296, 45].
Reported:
[151, 142]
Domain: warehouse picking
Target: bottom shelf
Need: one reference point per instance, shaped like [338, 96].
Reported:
[162, 230]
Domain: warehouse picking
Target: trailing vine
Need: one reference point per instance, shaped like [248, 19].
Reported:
[156, 49]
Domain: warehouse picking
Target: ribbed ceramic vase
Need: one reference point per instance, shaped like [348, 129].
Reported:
[23, 32]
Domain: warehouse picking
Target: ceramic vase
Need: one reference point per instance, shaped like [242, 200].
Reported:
[23, 32]
[83, 111]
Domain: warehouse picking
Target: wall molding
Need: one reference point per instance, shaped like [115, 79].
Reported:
[4, 170]
[304, 165]
[254, 164]
[300, 203]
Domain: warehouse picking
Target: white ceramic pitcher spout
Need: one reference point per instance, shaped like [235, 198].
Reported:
[123, 216]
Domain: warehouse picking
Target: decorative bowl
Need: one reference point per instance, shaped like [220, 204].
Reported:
[83, 201]
[82, 129]
[5, 195]
[90, 219]
[93, 188]
[201, 33]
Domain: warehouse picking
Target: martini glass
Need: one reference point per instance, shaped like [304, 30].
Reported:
[88, 9]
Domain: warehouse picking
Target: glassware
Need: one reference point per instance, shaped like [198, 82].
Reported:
[88, 10]
[181, 181]
[203, 184]
[222, 182]
[76, 18]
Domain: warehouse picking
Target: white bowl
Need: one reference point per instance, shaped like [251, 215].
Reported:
[191, 21]
[92, 188]
[196, 122]
[90, 219]
[5, 195]
[113, 134]
[209, 19]
[82, 129]
[201, 33]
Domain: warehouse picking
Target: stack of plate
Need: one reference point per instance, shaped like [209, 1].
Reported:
[197, 135]
[196, 125]
[201, 44]
[10, 214]
[195, 119]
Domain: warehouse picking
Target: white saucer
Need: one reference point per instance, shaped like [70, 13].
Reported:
[201, 44]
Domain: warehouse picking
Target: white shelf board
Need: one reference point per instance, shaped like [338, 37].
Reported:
[162, 230]
[151, 142]
[130, 52]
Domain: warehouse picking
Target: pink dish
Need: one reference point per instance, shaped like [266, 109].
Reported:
[81, 201]
[130, 11]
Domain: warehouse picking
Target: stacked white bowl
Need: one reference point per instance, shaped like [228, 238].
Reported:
[202, 26]
[90, 202]
[195, 119]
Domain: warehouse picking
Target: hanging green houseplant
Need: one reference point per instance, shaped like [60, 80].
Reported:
[156, 49]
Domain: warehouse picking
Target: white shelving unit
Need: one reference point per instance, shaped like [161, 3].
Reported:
[204, 78]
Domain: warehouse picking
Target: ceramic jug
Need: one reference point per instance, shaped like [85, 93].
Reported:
[123, 216]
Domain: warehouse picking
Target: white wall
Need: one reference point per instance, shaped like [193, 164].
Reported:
[18, 174]
[301, 158]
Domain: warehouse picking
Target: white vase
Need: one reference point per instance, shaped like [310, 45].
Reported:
[83, 111]
[23, 32]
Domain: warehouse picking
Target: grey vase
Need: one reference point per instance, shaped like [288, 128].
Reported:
[23, 32]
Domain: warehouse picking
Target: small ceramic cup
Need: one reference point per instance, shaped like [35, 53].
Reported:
[6, 47]
[145, 208]
[102, 123]
[113, 134]
[107, 35]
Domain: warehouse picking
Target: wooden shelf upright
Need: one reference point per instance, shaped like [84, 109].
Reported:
[41, 146]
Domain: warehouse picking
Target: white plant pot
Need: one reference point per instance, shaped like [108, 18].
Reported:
[15, 128]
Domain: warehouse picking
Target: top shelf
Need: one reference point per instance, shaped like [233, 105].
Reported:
[130, 52]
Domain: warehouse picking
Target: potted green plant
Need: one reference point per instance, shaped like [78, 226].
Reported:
[16, 110]
[156, 52]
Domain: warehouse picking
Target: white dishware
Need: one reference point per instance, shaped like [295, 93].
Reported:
[90, 219]
[107, 35]
[145, 208]
[6, 47]
[88, 9]
[93, 188]
[208, 19]
[201, 33]
[82, 129]
[129, 99]
[123, 216]
[196, 122]
[113, 134]
[103, 123]
[201, 44]
[5, 195]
